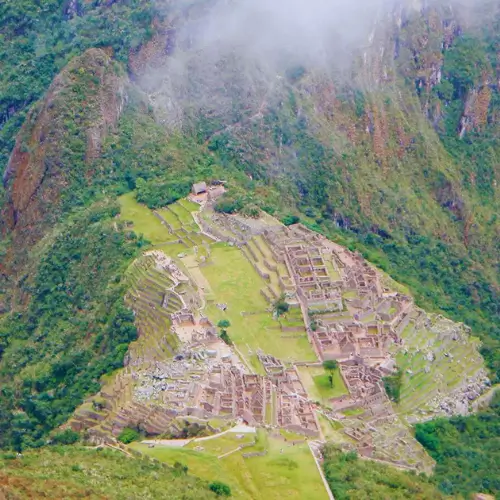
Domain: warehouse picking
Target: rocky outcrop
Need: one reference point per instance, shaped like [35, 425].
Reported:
[475, 114]
[58, 142]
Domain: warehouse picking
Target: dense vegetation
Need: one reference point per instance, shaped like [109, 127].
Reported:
[73, 472]
[37, 39]
[351, 478]
[467, 451]
[75, 328]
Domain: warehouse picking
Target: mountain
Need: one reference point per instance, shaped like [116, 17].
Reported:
[377, 128]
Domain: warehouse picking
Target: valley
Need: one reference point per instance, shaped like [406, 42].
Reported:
[249, 249]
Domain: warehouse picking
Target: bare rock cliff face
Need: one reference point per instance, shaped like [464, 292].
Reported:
[58, 142]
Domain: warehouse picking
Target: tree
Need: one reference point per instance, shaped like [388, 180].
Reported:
[128, 435]
[288, 220]
[220, 489]
[223, 324]
[330, 365]
[281, 306]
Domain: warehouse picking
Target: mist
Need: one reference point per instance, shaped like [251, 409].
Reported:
[239, 50]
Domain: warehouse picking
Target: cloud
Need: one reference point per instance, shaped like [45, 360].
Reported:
[234, 52]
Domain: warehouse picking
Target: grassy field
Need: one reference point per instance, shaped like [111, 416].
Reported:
[352, 412]
[317, 385]
[223, 444]
[234, 281]
[288, 474]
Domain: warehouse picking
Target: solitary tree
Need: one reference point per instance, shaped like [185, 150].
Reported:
[224, 324]
[330, 365]
[281, 306]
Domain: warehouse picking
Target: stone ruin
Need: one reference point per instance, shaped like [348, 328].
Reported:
[207, 384]
[350, 316]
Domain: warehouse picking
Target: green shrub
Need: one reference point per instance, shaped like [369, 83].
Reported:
[228, 205]
[288, 220]
[220, 489]
[67, 436]
[128, 435]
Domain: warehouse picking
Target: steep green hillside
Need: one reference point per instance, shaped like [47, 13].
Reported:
[77, 472]
[466, 450]
[74, 329]
[37, 40]
[351, 478]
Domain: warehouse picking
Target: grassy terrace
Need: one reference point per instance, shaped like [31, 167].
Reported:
[291, 474]
[178, 216]
[171, 218]
[235, 282]
[144, 220]
[453, 362]
[148, 286]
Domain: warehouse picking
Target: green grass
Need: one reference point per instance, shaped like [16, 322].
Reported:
[174, 249]
[73, 472]
[184, 215]
[353, 412]
[171, 218]
[291, 436]
[189, 205]
[223, 444]
[143, 220]
[291, 474]
[235, 282]
[317, 385]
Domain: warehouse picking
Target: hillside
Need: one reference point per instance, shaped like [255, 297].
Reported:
[347, 210]
[77, 472]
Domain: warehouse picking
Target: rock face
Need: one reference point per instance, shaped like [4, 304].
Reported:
[58, 142]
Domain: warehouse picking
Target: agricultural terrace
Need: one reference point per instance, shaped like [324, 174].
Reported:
[147, 289]
[282, 471]
[172, 228]
[233, 281]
